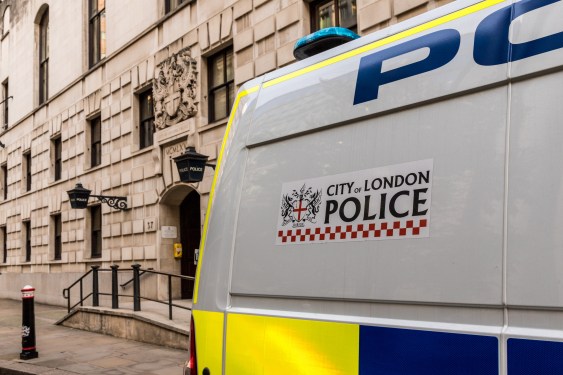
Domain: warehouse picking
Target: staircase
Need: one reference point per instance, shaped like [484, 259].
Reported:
[164, 323]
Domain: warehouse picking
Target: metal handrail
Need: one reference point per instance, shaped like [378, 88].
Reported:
[66, 291]
[150, 270]
[166, 303]
[170, 276]
[114, 269]
[76, 282]
[79, 302]
[130, 281]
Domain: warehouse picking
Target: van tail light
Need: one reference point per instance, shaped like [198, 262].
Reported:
[192, 363]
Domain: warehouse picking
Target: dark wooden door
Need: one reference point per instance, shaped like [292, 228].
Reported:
[190, 234]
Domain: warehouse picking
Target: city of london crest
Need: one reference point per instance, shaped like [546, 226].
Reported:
[174, 89]
[299, 207]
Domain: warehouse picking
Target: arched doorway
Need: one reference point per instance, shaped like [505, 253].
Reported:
[190, 235]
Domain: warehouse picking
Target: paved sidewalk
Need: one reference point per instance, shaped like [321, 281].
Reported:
[68, 351]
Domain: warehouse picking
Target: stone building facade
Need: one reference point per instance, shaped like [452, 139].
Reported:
[106, 93]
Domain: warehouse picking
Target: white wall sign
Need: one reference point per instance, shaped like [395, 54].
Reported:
[391, 202]
[169, 232]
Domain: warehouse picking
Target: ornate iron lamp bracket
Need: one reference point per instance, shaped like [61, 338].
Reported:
[119, 203]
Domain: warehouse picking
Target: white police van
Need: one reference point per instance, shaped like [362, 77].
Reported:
[394, 205]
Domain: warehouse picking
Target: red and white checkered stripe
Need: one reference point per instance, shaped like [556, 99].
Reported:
[353, 232]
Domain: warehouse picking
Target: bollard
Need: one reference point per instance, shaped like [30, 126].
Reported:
[114, 291]
[136, 288]
[28, 324]
[95, 287]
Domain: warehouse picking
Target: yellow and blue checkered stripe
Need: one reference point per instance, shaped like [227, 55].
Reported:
[257, 345]
[274, 345]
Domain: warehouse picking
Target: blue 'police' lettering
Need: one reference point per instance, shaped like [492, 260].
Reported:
[492, 46]
[443, 45]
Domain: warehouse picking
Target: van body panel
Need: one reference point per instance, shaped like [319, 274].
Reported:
[535, 238]
[465, 220]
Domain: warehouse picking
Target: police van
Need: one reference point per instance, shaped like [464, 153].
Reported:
[394, 205]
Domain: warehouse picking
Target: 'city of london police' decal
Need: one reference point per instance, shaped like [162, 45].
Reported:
[391, 202]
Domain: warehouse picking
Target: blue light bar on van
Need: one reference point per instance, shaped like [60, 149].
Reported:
[321, 41]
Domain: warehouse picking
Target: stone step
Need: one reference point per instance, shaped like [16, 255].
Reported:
[151, 325]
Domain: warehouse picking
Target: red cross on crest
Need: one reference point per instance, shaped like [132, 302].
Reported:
[298, 208]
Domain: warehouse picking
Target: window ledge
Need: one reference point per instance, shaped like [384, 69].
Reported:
[56, 182]
[176, 10]
[95, 168]
[215, 124]
[96, 65]
[24, 193]
[143, 150]
[92, 260]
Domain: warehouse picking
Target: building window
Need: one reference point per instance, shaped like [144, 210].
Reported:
[96, 233]
[4, 240]
[146, 117]
[57, 158]
[171, 5]
[44, 58]
[27, 240]
[57, 239]
[97, 31]
[4, 172]
[27, 170]
[221, 84]
[329, 13]
[5, 95]
[96, 141]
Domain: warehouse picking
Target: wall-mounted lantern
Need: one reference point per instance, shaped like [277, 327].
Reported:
[79, 198]
[191, 165]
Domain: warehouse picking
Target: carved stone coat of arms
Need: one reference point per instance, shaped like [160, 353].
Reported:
[175, 89]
